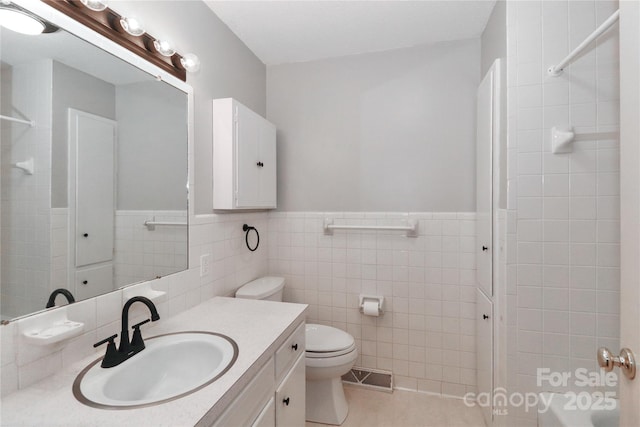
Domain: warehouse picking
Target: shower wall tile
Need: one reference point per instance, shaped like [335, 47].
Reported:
[563, 237]
[426, 335]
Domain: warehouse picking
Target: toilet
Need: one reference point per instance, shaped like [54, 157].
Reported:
[330, 353]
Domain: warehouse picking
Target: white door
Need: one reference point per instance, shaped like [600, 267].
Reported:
[484, 183]
[629, 204]
[92, 186]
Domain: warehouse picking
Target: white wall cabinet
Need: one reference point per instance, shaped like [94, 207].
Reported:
[275, 397]
[244, 158]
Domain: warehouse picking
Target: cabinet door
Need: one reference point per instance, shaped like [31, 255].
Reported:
[250, 403]
[267, 156]
[290, 397]
[267, 417]
[93, 281]
[248, 132]
[484, 185]
[484, 358]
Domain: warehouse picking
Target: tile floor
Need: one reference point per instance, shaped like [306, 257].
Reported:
[372, 408]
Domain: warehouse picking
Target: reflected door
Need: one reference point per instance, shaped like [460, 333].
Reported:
[92, 199]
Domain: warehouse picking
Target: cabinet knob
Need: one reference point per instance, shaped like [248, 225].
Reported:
[295, 347]
[484, 248]
[85, 235]
[485, 317]
[84, 282]
[286, 401]
[260, 164]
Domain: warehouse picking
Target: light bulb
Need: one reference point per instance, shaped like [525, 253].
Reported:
[20, 22]
[190, 62]
[96, 5]
[164, 47]
[132, 26]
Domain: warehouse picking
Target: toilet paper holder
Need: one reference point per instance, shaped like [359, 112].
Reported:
[372, 298]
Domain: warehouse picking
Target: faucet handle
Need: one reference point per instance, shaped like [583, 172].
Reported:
[137, 325]
[137, 340]
[110, 340]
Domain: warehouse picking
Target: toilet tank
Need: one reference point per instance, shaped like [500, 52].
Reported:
[264, 288]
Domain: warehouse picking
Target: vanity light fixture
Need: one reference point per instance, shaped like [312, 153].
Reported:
[16, 19]
[164, 48]
[190, 62]
[132, 26]
[95, 5]
[128, 33]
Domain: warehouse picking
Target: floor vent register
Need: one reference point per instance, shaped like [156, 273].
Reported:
[369, 378]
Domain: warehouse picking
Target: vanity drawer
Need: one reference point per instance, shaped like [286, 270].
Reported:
[251, 401]
[290, 350]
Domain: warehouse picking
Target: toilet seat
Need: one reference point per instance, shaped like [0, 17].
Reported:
[326, 341]
[326, 354]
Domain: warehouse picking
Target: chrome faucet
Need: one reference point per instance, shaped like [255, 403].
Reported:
[127, 349]
[60, 291]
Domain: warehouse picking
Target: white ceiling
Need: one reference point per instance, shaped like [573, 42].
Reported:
[306, 30]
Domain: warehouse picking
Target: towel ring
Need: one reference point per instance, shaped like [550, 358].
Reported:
[247, 228]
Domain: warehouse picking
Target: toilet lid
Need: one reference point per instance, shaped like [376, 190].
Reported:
[260, 288]
[325, 339]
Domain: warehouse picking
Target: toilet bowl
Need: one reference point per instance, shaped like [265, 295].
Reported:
[329, 354]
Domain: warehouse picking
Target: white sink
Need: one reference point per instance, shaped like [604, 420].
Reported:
[171, 366]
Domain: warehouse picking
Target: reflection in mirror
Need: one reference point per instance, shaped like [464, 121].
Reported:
[97, 148]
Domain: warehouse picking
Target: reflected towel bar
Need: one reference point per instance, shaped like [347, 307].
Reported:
[13, 119]
[556, 70]
[151, 225]
[411, 228]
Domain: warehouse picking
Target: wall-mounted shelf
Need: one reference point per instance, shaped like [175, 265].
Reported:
[562, 138]
[58, 331]
[143, 290]
[27, 166]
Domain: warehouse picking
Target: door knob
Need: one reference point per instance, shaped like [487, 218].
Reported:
[626, 361]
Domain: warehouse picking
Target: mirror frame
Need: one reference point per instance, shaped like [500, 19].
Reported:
[85, 33]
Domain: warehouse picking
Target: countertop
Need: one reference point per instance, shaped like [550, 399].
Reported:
[258, 327]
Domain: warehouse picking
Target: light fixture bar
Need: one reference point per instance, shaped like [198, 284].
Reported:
[128, 33]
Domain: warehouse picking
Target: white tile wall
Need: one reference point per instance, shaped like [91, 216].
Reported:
[141, 253]
[59, 248]
[26, 198]
[427, 333]
[563, 218]
[220, 235]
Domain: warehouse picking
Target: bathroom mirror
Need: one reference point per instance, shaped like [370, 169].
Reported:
[92, 149]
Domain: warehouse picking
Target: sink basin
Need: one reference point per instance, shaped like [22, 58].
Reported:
[170, 367]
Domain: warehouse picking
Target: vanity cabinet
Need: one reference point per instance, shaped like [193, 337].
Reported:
[275, 397]
[290, 397]
[244, 158]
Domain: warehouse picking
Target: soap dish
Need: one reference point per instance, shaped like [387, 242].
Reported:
[58, 331]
